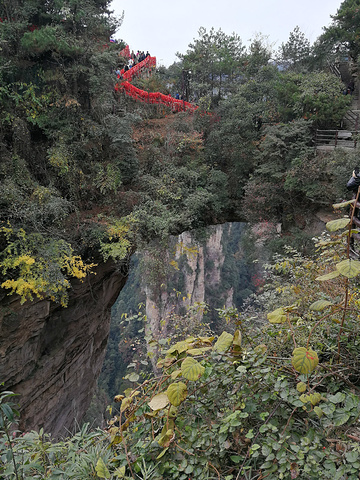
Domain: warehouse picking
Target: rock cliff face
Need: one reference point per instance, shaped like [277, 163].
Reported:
[52, 356]
[202, 270]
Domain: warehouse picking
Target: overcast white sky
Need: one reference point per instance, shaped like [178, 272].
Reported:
[165, 27]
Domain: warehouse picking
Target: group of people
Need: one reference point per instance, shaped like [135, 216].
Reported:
[135, 58]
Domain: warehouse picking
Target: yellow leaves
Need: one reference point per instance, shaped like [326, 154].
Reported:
[301, 387]
[117, 244]
[41, 194]
[176, 393]
[159, 402]
[349, 268]
[175, 265]
[38, 266]
[101, 469]
[337, 224]
[313, 398]
[304, 360]
[224, 342]
[277, 316]
[126, 402]
[191, 369]
[26, 260]
[23, 288]
[190, 251]
[76, 268]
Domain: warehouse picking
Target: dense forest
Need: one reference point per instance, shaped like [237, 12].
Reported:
[89, 176]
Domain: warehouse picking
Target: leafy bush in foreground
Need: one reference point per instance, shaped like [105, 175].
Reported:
[277, 402]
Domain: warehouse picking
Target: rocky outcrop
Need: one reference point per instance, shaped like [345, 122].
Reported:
[52, 356]
[202, 270]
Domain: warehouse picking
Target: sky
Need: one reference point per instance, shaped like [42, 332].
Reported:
[166, 27]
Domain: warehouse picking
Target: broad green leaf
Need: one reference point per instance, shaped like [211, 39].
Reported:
[352, 456]
[179, 347]
[337, 224]
[340, 417]
[320, 305]
[315, 398]
[7, 411]
[277, 316]
[165, 362]
[237, 338]
[349, 268]
[175, 374]
[198, 351]
[337, 398]
[133, 377]
[164, 440]
[304, 360]
[224, 342]
[126, 402]
[120, 472]
[328, 408]
[328, 276]
[101, 469]
[318, 412]
[262, 348]
[207, 340]
[159, 402]
[162, 453]
[191, 369]
[351, 401]
[266, 450]
[236, 458]
[176, 393]
[343, 204]
[301, 387]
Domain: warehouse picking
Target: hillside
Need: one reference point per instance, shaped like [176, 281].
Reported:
[89, 175]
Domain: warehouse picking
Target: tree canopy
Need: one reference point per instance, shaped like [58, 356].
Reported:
[343, 34]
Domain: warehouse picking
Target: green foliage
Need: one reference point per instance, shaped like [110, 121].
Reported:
[344, 31]
[320, 98]
[304, 360]
[34, 265]
[47, 39]
[253, 412]
[64, 148]
[295, 53]
[213, 60]
[244, 403]
[118, 239]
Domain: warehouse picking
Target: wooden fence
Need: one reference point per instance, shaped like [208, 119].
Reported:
[336, 138]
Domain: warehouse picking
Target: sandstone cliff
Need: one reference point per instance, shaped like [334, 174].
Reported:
[201, 272]
[52, 356]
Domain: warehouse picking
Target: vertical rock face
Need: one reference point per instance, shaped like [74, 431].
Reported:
[52, 356]
[203, 270]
